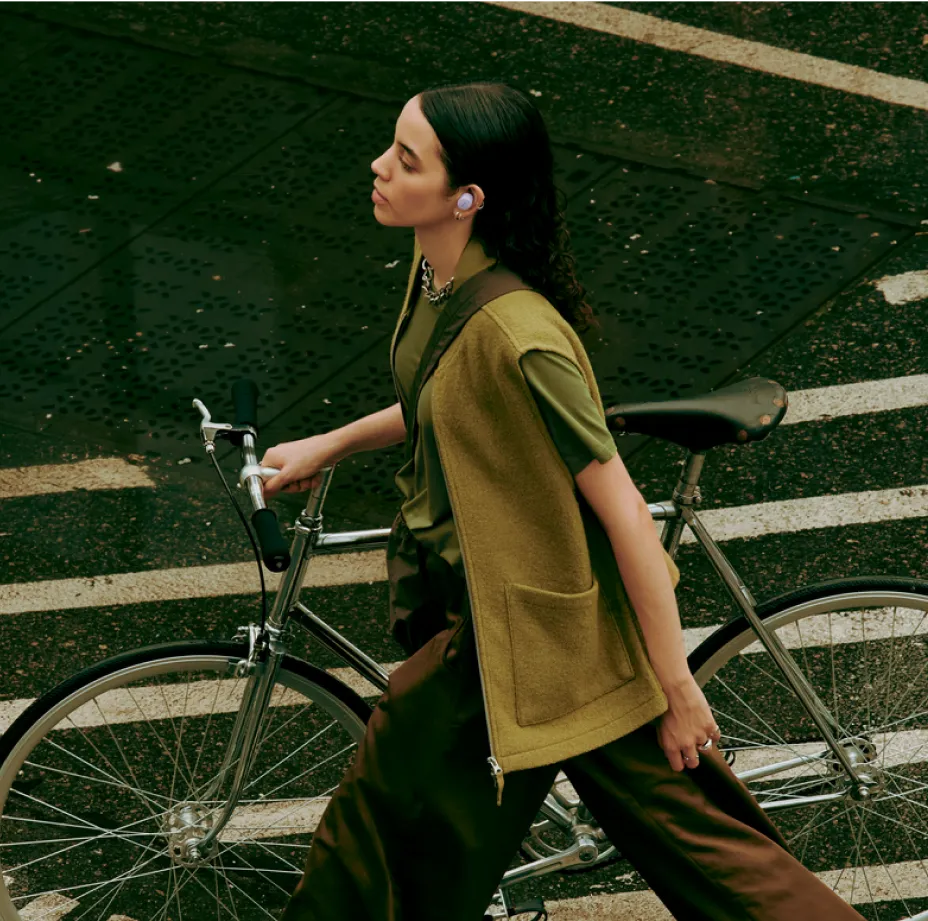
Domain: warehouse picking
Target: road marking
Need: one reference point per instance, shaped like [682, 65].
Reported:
[804, 406]
[727, 49]
[789, 516]
[258, 821]
[96, 474]
[199, 698]
[902, 289]
[894, 749]
[158, 702]
[815, 404]
[843, 628]
[47, 908]
[285, 817]
[155, 702]
[905, 880]
[735, 523]
[856, 399]
[183, 583]
[368, 566]
[629, 906]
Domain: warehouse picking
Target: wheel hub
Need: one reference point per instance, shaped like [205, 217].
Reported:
[862, 755]
[186, 825]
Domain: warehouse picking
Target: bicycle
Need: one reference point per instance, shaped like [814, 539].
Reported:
[186, 778]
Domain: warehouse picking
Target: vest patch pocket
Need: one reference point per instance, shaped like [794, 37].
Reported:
[557, 639]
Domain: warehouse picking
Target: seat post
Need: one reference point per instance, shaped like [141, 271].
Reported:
[685, 493]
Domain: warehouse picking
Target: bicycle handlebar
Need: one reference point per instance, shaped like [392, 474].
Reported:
[245, 400]
[274, 550]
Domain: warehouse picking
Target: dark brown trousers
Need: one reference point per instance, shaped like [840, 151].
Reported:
[413, 833]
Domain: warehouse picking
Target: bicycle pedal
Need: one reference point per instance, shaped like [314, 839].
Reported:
[533, 905]
[500, 908]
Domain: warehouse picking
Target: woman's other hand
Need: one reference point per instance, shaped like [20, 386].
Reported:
[686, 725]
[299, 463]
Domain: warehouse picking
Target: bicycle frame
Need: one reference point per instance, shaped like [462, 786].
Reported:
[265, 652]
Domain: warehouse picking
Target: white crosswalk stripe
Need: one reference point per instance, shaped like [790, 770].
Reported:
[729, 49]
[865, 397]
[904, 880]
[789, 516]
[48, 908]
[181, 583]
[735, 523]
[46, 479]
[202, 697]
[265, 820]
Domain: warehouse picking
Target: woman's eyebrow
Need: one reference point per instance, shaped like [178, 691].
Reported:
[410, 151]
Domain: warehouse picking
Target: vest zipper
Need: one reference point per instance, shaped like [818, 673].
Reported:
[498, 777]
[496, 772]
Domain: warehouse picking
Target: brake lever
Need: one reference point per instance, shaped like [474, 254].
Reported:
[209, 429]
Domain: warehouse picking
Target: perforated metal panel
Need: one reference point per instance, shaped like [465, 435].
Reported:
[170, 226]
[691, 278]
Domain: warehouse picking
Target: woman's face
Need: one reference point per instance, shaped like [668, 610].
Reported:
[410, 176]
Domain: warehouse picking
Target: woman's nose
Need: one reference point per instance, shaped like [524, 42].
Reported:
[377, 166]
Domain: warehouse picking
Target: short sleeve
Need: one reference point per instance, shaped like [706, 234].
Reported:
[573, 419]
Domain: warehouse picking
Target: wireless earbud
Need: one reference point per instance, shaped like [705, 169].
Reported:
[465, 201]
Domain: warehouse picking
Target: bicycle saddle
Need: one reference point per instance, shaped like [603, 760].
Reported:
[746, 411]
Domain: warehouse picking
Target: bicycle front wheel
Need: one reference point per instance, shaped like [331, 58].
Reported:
[862, 645]
[104, 779]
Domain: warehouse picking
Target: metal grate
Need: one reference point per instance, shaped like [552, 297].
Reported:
[236, 237]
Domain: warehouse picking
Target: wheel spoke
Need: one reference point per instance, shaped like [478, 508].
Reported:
[106, 778]
[864, 653]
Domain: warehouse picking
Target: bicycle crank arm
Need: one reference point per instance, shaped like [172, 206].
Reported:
[584, 851]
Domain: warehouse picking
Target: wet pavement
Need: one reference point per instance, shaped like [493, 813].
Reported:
[154, 252]
[727, 223]
[610, 93]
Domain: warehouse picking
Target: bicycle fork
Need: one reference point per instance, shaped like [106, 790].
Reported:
[244, 741]
[265, 653]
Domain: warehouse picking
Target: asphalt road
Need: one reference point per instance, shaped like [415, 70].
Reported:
[842, 493]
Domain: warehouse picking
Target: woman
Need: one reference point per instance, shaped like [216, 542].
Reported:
[527, 582]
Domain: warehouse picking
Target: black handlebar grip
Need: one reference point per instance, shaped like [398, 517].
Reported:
[245, 400]
[274, 549]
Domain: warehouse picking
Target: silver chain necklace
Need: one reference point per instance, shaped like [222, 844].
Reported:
[428, 285]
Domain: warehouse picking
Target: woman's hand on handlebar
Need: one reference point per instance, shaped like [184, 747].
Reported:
[299, 463]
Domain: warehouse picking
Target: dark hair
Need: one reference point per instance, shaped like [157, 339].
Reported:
[493, 135]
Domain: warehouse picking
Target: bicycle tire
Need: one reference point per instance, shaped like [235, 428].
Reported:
[98, 777]
[718, 648]
[862, 644]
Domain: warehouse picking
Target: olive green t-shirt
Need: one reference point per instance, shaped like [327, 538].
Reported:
[563, 398]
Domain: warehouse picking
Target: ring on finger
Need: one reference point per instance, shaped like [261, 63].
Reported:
[706, 745]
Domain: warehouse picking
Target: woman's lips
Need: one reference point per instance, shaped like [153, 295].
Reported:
[377, 198]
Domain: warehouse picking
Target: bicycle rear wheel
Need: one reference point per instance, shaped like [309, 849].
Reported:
[104, 778]
[863, 644]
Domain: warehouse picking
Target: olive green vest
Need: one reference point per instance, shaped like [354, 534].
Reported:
[562, 660]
